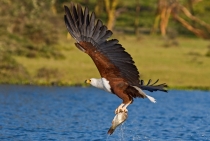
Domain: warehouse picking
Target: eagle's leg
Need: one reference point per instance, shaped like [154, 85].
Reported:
[122, 107]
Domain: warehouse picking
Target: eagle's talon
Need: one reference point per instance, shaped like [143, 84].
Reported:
[121, 109]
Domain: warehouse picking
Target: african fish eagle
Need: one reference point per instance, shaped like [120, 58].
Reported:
[118, 73]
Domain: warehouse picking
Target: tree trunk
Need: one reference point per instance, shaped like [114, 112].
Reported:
[99, 7]
[198, 32]
[53, 7]
[195, 19]
[111, 9]
[156, 24]
[163, 14]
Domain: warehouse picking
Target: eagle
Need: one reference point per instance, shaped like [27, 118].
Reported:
[118, 72]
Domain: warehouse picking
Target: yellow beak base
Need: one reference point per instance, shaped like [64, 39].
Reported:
[87, 81]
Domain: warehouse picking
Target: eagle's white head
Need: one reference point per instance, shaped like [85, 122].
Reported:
[95, 82]
[101, 83]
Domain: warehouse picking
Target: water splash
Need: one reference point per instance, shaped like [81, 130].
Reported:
[121, 133]
[107, 137]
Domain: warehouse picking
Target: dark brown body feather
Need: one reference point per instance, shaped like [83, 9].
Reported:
[110, 58]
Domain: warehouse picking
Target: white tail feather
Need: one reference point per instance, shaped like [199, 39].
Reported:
[152, 99]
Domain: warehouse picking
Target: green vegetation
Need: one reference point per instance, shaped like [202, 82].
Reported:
[184, 67]
[35, 48]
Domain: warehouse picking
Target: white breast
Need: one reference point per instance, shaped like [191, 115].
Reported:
[106, 85]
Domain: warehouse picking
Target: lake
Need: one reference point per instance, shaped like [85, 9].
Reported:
[34, 113]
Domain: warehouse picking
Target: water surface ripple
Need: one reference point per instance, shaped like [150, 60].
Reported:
[33, 113]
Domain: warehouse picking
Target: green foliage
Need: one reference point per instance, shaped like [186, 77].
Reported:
[49, 75]
[27, 28]
[11, 71]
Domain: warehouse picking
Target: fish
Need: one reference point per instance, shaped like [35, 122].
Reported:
[118, 120]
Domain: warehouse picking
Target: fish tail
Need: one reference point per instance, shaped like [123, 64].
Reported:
[110, 131]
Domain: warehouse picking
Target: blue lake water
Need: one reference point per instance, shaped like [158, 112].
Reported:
[32, 113]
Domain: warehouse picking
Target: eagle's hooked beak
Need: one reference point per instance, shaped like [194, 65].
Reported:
[88, 81]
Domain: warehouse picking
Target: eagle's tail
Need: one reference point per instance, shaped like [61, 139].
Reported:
[142, 94]
[152, 87]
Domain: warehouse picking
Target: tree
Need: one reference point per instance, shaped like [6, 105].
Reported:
[162, 16]
[177, 9]
[110, 6]
[203, 30]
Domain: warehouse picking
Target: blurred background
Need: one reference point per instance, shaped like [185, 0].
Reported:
[168, 39]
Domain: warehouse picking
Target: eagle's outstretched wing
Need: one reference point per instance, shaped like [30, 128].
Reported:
[109, 56]
[92, 37]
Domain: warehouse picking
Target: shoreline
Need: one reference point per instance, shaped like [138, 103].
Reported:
[59, 84]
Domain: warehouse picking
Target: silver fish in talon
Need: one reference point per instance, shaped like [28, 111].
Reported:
[118, 120]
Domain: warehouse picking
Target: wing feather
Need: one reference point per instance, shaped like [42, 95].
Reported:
[96, 30]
